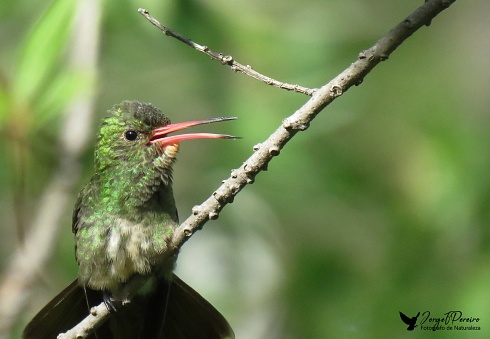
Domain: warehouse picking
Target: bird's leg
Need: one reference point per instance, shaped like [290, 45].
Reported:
[121, 295]
[110, 302]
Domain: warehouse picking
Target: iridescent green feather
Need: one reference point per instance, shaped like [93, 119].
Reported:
[126, 212]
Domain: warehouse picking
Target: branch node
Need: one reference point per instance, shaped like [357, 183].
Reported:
[226, 59]
[188, 231]
[247, 168]
[250, 169]
[286, 123]
[213, 215]
[336, 91]
[220, 198]
[257, 147]
[407, 22]
[289, 123]
[234, 173]
[196, 209]
[274, 150]
[234, 190]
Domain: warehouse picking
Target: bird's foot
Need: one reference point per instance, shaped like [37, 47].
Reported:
[111, 303]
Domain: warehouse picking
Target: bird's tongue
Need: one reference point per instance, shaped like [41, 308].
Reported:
[160, 135]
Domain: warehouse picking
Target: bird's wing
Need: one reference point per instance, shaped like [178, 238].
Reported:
[187, 315]
[405, 319]
[87, 192]
[62, 313]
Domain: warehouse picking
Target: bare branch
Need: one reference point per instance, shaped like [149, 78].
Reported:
[98, 315]
[299, 121]
[226, 59]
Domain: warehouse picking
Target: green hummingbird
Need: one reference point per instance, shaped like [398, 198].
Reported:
[122, 221]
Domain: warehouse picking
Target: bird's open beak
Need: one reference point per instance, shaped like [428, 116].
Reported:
[160, 135]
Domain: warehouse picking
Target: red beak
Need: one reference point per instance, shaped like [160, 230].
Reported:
[160, 135]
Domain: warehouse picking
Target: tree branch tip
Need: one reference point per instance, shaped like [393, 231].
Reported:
[226, 60]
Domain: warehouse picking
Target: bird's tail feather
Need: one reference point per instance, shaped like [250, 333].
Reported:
[173, 311]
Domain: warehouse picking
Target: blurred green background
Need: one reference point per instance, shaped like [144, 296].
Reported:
[381, 206]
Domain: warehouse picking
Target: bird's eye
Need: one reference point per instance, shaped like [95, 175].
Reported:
[131, 135]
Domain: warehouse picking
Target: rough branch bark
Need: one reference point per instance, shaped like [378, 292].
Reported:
[96, 318]
[299, 121]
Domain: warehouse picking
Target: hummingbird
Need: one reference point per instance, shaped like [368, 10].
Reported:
[123, 220]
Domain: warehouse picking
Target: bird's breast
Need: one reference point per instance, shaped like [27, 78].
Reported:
[130, 248]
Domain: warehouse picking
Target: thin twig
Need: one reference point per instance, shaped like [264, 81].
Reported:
[227, 59]
[300, 121]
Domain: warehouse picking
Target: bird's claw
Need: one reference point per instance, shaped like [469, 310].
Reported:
[111, 303]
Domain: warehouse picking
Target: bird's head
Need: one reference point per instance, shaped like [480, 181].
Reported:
[135, 137]
[135, 153]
